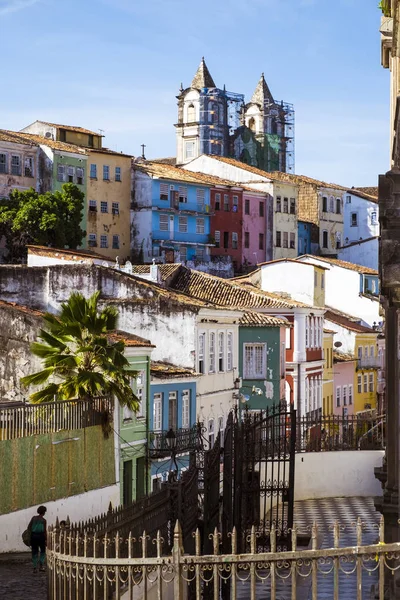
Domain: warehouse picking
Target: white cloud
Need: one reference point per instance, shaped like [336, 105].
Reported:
[10, 6]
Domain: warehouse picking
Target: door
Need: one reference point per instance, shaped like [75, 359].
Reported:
[140, 477]
[127, 483]
[173, 411]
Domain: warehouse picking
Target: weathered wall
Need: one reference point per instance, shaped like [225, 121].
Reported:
[364, 253]
[39, 469]
[78, 508]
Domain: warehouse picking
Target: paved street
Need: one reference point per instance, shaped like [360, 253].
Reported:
[18, 582]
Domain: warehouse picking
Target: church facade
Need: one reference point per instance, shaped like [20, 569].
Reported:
[214, 121]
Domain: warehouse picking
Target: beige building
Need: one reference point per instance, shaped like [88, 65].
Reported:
[285, 219]
[18, 163]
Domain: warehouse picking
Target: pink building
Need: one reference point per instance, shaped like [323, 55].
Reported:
[257, 227]
[343, 379]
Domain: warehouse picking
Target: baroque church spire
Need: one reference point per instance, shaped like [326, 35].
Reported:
[262, 93]
[203, 77]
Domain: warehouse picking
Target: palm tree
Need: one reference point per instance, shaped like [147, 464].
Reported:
[80, 359]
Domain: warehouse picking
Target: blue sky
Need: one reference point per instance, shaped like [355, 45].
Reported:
[117, 65]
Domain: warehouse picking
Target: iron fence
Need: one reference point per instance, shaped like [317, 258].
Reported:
[22, 420]
[336, 432]
[83, 567]
[186, 440]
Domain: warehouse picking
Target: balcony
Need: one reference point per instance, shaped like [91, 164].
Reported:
[369, 362]
[187, 439]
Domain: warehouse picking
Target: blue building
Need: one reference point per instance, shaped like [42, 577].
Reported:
[170, 214]
[304, 238]
[172, 407]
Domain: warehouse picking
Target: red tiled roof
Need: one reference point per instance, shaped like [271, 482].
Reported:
[341, 263]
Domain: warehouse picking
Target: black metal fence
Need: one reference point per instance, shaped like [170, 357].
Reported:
[186, 440]
[337, 432]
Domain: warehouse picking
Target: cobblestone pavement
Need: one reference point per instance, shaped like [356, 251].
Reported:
[17, 580]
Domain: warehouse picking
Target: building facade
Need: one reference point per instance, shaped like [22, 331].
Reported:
[18, 163]
[327, 376]
[344, 368]
[226, 223]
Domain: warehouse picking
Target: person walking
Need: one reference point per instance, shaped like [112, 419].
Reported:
[38, 530]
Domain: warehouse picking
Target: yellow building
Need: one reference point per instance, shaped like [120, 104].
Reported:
[109, 200]
[327, 378]
[285, 227]
[365, 377]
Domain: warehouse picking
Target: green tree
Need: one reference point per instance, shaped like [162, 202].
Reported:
[51, 219]
[80, 360]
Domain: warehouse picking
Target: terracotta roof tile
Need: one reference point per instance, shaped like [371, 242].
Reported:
[371, 191]
[20, 137]
[255, 319]
[293, 260]
[71, 128]
[163, 370]
[66, 252]
[358, 242]
[20, 308]
[343, 357]
[165, 270]
[342, 263]
[346, 321]
[360, 194]
[223, 292]
[166, 171]
[130, 339]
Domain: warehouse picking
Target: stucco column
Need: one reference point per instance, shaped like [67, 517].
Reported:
[299, 351]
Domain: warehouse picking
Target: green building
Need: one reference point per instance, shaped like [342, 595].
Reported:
[262, 362]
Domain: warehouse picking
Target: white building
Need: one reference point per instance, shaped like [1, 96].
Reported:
[364, 252]
[350, 288]
[361, 217]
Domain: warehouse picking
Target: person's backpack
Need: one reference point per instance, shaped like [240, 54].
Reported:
[26, 537]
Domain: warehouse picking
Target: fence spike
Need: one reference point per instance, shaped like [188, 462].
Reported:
[57, 523]
[198, 542]
[294, 538]
[382, 530]
[144, 544]
[336, 534]
[130, 545]
[159, 543]
[234, 541]
[314, 535]
[178, 542]
[216, 541]
[253, 540]
[272, 537]
[68, 522]
[359, 531]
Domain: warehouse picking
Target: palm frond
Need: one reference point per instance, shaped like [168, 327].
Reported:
[47, 394]
[38, 378]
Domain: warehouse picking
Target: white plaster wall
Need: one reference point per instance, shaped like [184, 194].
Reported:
[363, 253]
[343, 335]
[211, 166]
[332, 474]
[77, 508]
[289, 277]
[342, 292]
[364, 209]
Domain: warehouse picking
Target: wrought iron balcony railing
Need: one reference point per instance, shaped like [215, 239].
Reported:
[369, 362]
[186, 440]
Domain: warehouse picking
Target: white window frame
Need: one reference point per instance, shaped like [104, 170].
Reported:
[211, 352]
[92, 240]
[217, 238]
[371, 385]
[182, 194]
[157, 411]
[253, 368]
[234, 240]
[60, 172]
[365, 388]
[93, 171]
[163, 222]
[200, 225]
[190, 148]
[140, 393]
[185, 409]
[164, 191]
[221, 351]
[115, 208]
[350, 394]
[3, 163]
[359, 384]
[211, 433]
[70, 173]
[104, 241]
[201, 351]
[115, 241]
[338, 396]
[118, 174]
[229, 351]
[103, 207]
[106, 173]
[17, 164]
[344, 395]
[182, 224]
[80, 174]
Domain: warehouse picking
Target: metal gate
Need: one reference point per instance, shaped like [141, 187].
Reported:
[259, 460]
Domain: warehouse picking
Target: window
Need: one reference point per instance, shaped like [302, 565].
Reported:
[163, 191]
[221, 351]
[157, 412]
[183, 253]
[92, 240]
[365, 383]
[15, 165]
[226, 202]
[285, 205]
[182, 224]
[217, 201]
[90, 140]
[315, 279]
[338, 396]
[182, 194]
[322, 280]
[106, 173]
[79, 175]
[261, 209]
[246, 206]
[163, 222]
[3, 163]
[371, 351]
[374, 218]
[229, 353]
[115, 242]
[338, 206]
[234, 240]
[255, 364]
[278, 239]
[345, 395]
[331, 204]
[285, 239]
[191, 114]
[246, 239]
[199, 254]
[92, 206]
[371, 382]
[324, 239]
[283, 358]
[217, 238]
[200, 197]
[172, 411]
[350, 395]
[70, 174]
[117, 173]
[103, 241]
[292, 206]
[60, 173]
[353, 219]
[338, 239]
[278, 204]
[189, 149]
[202, 339]
[359, 384]
[226, 239]
[140, 388]
[221, 425]
[324, 204]
[186, 409]
[104, 206]
[211, 433]
[28, 167]
[199, 225]
[261, 241]
[348, 199]
[235, 201]
[307, 332]
[211, 366]
[115, 208]
[93, 171]
[293, 240]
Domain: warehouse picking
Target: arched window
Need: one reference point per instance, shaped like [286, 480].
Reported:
[252, 124]
[191, 113]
